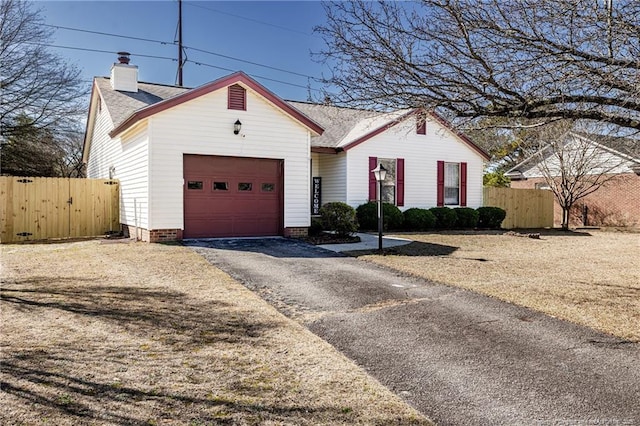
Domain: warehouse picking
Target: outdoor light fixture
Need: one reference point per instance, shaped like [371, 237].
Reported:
[236, 127]
[380, 173]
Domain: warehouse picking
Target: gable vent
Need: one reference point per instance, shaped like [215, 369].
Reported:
[237, 97]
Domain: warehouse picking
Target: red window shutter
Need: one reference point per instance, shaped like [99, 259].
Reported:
[237, 97]
[373, 163]
[440, 183]
[400, 182]
[463, 184]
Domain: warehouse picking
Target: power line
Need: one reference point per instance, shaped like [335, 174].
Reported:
[98, 50]
[111, 34]
[175, 60]
[195, 49]
[257, 76]
[252, 63]
[250, 19]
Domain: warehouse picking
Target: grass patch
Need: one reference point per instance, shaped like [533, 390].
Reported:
[591, 278]
[143, 334]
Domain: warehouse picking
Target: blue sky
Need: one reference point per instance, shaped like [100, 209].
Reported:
[277, 34]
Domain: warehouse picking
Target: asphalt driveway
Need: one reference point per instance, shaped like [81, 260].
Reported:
[458, 357]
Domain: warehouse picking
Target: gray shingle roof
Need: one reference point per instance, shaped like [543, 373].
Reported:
[341, 125]
[337, 122]
[122, 104]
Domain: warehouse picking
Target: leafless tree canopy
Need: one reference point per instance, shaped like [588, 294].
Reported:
[526, 59]
[33, 81]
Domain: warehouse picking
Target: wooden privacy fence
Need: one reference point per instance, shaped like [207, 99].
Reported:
[526, 208]
[45, 208]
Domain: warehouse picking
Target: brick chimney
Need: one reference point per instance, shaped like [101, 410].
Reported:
[124, 77]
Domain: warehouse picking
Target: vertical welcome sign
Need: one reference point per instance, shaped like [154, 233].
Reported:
[316, 198]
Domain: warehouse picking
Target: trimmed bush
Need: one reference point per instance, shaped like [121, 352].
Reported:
[490, 217]
[392, 217]
[445, 217]
[339, 218]
[466, 217]
[368, 216]
[416, 219]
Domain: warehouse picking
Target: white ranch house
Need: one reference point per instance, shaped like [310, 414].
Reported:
[231, 158]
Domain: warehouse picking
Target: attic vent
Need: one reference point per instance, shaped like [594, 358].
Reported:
[421, 123]
[237, 97]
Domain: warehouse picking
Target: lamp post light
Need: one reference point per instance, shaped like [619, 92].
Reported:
[380, 173]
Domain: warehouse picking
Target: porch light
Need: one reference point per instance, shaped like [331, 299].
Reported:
[380, 173]
[236, 127]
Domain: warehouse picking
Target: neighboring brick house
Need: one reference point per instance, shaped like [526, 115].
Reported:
[616, 203]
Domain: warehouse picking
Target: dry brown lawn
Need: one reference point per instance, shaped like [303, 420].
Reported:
[589, 278]
[141, 334]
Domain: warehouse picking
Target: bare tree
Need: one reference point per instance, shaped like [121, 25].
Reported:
[576, 164]
[69, 162]
[33, 81]
[524, 59]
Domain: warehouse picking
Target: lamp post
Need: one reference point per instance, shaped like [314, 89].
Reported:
[380, 173]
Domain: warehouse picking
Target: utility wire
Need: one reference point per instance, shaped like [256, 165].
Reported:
[250, 19]
[195, 49]
[98, 50]
[174, 60]
[252, 63]
[257, 76]
[110, 34]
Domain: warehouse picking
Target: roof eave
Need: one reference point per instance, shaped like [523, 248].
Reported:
[377, 131]
[444, 122]
[89, 126]
[237, 77]
[326, 150]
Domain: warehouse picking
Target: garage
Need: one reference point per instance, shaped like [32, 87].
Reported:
[232, 196]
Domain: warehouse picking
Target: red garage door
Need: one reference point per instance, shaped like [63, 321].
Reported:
[232, 196]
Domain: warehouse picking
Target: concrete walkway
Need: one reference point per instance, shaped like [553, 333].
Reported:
[367, 242]
[459, 357]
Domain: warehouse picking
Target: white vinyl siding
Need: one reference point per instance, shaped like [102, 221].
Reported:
[421, 154]
[132, 170]
[332, 168]
[128, 158]
[204, 126]
[103, 150]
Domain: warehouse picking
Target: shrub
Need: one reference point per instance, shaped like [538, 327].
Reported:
[445, 217]
[368, 216]
[416, 219]
[316, 227]
[392, 217]
[466, 217]
[339, 218]
[490, 217]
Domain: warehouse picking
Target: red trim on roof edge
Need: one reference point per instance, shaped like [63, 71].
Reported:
[377, 131]
[437, 117]
[461, 135]
[211, 87]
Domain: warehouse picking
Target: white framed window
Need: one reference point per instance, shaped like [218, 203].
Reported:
[389, 184]
[451, 184]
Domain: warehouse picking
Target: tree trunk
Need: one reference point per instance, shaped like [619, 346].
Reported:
[565, 217]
